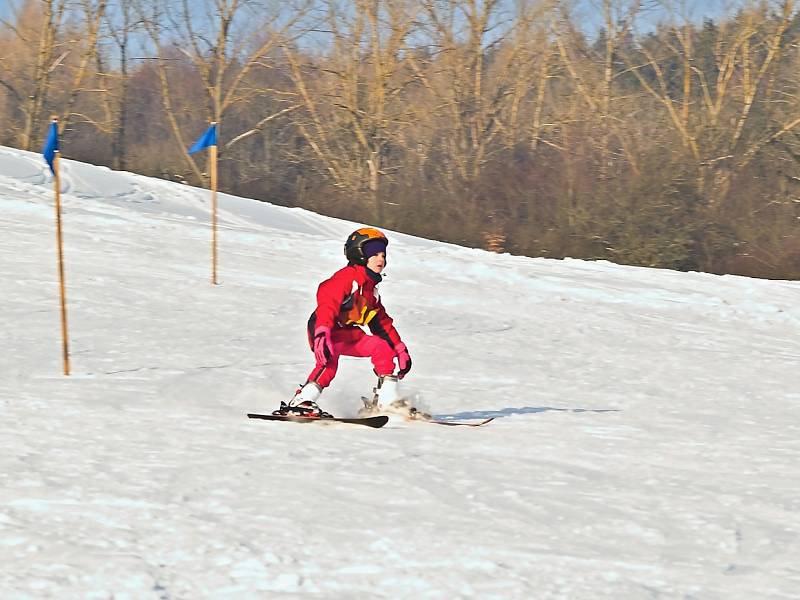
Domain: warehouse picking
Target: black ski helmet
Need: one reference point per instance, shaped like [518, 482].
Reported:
[354, 246]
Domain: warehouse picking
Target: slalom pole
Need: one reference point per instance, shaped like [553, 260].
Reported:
[213, 159]
[209, 140]
[60, 244]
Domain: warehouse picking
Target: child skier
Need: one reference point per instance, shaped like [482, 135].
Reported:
[346, 302]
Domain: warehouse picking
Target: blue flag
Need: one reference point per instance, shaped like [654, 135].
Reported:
[209, 138]
[51, 145]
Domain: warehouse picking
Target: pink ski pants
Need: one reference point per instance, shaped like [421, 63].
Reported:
[352, 341]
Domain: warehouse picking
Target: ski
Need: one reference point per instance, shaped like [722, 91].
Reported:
[377, 421]
[460, 423]
[415, 415]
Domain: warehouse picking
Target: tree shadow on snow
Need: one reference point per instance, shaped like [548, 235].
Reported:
[526, 410]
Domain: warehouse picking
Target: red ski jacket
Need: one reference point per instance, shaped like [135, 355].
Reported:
[350, 298]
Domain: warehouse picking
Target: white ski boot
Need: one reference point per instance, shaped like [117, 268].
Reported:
[386, 400]
[304, 403]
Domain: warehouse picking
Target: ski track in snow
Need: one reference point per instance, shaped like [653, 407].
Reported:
[646, 441]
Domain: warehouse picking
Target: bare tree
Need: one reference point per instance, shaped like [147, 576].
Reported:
[486, 72]
[93, 15]
[717, 133]
[120, 28]
[352, 98]
[27, 77]
[225, 41]
[462, 34]
[595, 83]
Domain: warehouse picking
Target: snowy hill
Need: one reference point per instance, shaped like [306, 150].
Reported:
[646, 445]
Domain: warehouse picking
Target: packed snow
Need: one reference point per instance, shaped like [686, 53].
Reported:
[646, 441]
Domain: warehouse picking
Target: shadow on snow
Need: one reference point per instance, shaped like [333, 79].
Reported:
[526, 410]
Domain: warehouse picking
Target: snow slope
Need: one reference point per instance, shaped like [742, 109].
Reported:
[646, 445]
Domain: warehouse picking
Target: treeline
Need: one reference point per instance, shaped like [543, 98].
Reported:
[494, 124]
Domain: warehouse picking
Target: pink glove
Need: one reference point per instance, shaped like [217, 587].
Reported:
[403, 360]
[323, 346]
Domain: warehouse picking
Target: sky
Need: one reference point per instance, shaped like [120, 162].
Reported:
[657, 11]
[645, 442]
[696, 9]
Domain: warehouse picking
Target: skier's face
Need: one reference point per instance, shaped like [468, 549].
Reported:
[377, 262]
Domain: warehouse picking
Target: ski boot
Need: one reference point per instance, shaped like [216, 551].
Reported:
[304, 404]
[386, 399]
